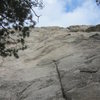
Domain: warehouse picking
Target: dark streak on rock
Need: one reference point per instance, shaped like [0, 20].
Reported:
[20, 94]
[88, 71]
[60, 81]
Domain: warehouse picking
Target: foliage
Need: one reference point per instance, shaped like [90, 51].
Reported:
[16, 16]
[98, 2]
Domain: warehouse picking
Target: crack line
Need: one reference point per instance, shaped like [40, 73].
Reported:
[60, 81]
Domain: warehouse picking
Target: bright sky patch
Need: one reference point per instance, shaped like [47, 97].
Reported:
[73, 4]
[69, 12]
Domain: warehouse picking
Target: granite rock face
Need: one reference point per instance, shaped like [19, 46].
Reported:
[59, 64]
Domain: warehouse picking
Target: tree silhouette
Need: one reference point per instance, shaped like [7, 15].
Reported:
[98, 2]
[16, 16]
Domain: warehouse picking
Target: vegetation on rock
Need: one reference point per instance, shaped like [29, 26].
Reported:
[16, 16]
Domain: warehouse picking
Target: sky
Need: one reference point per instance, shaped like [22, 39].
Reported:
[69, 12]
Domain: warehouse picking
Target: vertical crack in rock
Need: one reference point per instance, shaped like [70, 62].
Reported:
[60, 81]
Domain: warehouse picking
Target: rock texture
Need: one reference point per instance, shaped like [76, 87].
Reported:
[75, 51]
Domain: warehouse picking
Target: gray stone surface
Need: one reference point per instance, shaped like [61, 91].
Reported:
[34, 75]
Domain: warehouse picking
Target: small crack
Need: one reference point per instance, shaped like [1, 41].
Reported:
[88, 71]
[57, 60]
[64, 57]
[20, 94]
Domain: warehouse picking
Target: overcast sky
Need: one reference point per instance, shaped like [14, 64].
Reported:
[69, 12]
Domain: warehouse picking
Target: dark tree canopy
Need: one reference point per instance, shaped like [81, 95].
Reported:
[16, 16]
[98, 2]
